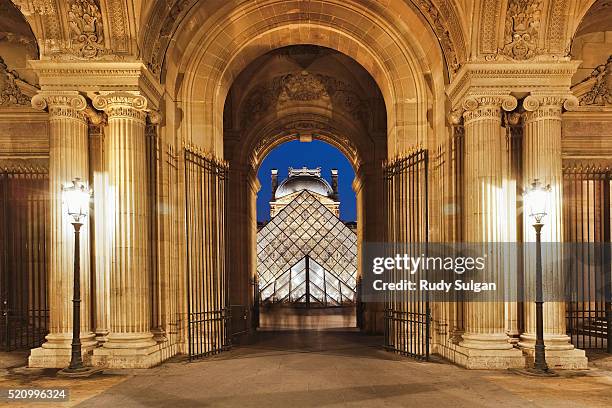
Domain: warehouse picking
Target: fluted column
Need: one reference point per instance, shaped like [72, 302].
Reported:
[68, 158]
[128, 222]
[542, 160]
[485, 216]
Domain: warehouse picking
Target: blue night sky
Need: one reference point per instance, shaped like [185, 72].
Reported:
[314, 154]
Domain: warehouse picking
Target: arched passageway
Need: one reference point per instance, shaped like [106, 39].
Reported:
[303, 93]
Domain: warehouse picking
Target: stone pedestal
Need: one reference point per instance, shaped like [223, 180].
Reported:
[130, 342]
[542, 161]
[485, 343]
[68, 158]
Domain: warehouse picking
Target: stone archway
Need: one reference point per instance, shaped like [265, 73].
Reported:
[409, 71]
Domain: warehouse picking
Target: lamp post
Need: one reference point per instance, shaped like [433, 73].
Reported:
[536, 197]
[76, 198]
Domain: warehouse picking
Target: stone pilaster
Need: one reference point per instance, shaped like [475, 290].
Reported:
[130, 341]
[68, 158]
[485, 342]
[542, 160]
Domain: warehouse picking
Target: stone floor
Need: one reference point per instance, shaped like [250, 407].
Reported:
[331, 368]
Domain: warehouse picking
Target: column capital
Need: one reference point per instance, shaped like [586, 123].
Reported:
[537, 101]
[486, 106]
[540, 106]
[70, 104]
[122, 104]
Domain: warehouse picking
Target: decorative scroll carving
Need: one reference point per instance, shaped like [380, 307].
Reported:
[86, 28]
[61, 104]
[303, 87]
[522, 29]
[122, 104]
[487, 106]
[600, 93]
[547, 106]
[10, 93]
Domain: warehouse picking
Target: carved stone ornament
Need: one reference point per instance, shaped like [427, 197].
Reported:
[600, 93]
[302, 87]
[122, 105]
[10, 93]
[86, 28]
[439, 23]
[522, 29]
[487, 106]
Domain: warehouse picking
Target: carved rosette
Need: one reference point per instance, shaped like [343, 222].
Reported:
[547, 106]
[487, 107]
[67, 104]
[122, 105]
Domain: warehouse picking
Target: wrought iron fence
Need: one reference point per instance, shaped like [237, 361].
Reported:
[24, 206]
[407, 313]
[208, 310]
[587, 190]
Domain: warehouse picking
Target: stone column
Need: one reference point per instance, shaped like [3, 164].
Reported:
[542, 160]
[68, 158]
[485, 343]
[130, 341]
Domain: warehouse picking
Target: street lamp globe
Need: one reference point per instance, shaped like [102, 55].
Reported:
[76, 199]
[536, 199]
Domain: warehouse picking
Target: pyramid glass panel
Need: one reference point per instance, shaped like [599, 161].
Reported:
[306, 255]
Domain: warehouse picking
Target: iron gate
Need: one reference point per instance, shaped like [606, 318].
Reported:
[24, 206]
[587, 221]
[407, 313]
[208, 308]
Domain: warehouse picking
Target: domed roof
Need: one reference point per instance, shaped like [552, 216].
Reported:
[303, 179]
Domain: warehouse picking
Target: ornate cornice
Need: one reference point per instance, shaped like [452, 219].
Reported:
[485, 78]
[93, 76]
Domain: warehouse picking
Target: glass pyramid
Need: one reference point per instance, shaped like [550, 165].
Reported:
[306, 255]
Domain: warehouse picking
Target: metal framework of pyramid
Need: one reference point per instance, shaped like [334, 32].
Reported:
[306, 255]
